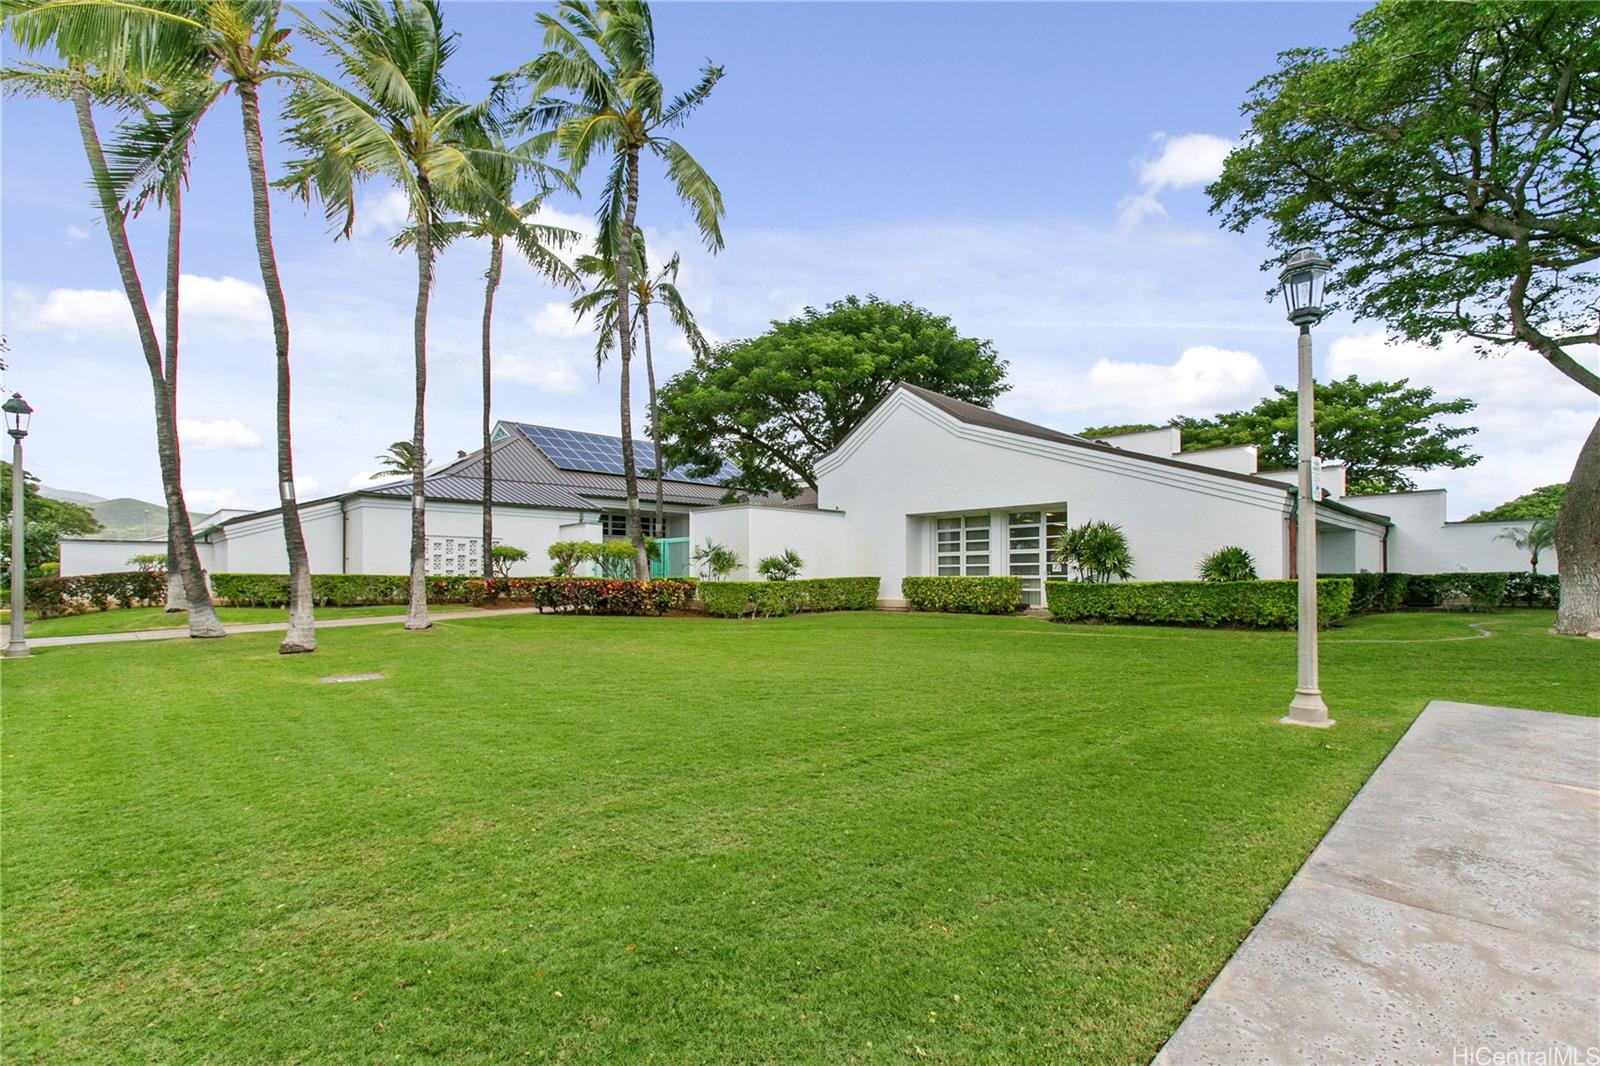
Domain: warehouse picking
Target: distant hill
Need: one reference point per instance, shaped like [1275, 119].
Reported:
[69, 496]
[124, 518]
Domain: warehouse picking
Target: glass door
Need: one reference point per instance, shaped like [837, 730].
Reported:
[1030, 537]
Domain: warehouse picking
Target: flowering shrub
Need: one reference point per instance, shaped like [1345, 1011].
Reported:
[83, 593]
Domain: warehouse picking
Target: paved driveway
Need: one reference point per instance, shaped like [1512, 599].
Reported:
[1451, 915]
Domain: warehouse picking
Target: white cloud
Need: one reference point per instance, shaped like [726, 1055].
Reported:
[305, 485]
[1204, 378]
[384, 214]
[1184, 161]
[224, 301]
[77, 233]
[78, 313]
[208, 500]
[558, 320]
[550, 373]
[207, 303]
[219, 435]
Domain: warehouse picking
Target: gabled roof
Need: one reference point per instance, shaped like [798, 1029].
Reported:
[578, 451]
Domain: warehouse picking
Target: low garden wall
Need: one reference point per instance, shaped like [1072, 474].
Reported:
[1247, 604]
[767, 599]
[963, 595]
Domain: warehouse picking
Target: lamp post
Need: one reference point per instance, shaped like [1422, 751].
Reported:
[18, 414]
[1303, 279]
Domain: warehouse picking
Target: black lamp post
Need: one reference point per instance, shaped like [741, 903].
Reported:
[18, 415]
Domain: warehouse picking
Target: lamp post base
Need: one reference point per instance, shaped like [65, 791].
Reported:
[15, 649]
[1307, 709]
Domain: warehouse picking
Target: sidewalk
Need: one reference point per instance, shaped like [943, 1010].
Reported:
[1452, 913]
[182, 632]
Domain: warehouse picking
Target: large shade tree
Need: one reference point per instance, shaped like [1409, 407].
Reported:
[650, 289]
[146, 72]
[772, 406]
[1446, 160]
[595, 90]
[395, 116]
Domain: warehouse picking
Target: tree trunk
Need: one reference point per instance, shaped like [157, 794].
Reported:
[492, 282]
[655, 419]
[301, 636]
[1578, 543]
[170, 372]
[641, 558]
[417, 609]
[202, 619]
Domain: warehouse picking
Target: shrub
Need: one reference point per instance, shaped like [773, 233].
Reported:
[716, 561]
[149, 563]
[566, 555]
[1231, 563]
[1265, 604]
[785, 567]
[82, 593]
[504, 557]
[963, 595]
[1095, 551]
[1533, 590]
[734, 599]
[1481, 591]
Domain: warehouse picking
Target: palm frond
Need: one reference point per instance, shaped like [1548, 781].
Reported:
[683, 104]
[695, 188]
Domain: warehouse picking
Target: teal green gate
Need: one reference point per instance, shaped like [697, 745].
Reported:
[671, 558]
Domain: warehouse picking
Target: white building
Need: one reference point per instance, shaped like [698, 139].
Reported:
[925, 485]
[930, 485]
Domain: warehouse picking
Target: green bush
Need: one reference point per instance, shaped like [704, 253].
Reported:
[593, 595]
[1533, 590]
[734, 599]
[785, 567]
[1374, 593]
[82, 593]
[963, 595]
[1264, 604]
[1231, 563]
[1482, 591]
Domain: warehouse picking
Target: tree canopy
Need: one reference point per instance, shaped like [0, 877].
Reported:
[1542, 502]
[44, 522]
[1378, 429]
[772, 405]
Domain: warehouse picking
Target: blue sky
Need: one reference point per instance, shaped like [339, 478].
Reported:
[1032, 170]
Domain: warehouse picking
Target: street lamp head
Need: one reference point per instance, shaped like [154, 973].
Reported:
[18, 415]
[1303, 280]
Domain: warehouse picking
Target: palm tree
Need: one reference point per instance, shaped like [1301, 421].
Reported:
[239, 45]
[648, 290]
[399, 120]
[166, 87]
[1538, 537]
[399, 460]
[595, 89]
[508, 219]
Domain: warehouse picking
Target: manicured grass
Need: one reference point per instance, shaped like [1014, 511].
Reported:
[852, 837]
[133, 619]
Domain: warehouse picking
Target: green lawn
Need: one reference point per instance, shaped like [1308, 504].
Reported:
[855, 837]
[132, 619]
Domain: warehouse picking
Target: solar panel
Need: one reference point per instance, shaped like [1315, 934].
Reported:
[598, 453]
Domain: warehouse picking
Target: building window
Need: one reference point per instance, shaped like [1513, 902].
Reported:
[616, 525]
[455, 556]
[961, 546]
[1030, 539]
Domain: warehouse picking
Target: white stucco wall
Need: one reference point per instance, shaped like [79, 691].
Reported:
[910, 461]
[380, 532]
[1241, 459]
[1164, 442]
[83, 556]
[1422, 542]
[829, 544]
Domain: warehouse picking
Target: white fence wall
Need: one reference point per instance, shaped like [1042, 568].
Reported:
[823, 539]
[1422, 542]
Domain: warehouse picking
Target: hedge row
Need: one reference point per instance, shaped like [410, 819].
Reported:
[1476, 591]
[83, 593]
[591, 594]
[1257, 604]
[734, 599]
[963, 595]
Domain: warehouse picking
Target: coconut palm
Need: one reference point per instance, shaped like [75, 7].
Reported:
[162, 85]
[539, 243]
[595, 90]
[397, 119]
[1537, 538]
[648, 289]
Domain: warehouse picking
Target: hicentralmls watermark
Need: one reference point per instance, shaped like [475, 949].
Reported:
[1550, 1055]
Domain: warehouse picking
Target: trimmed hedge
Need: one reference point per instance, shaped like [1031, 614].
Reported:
[1256, 604]
[1482, 592]
[1373, 593]
[963, 595]
[1533, 590]
[594, 595]
[82, 593]
[734, 599]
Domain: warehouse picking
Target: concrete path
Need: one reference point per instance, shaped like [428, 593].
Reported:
[1451, 914]
[262, 627]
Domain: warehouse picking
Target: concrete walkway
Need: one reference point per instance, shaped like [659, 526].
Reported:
[1452, 913]
[262, 627]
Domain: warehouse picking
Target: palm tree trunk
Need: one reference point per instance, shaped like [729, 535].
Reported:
[301, 636]
[202, 619]
[1578, 543]
[174, 243]
[492, 282]
[655, 420]
[417, 609]
[641, 559]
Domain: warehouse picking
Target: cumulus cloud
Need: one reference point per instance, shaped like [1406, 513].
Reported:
[219, 435]
[77, 313]
[77, 233]
[224, 301]
[1183, 161]
[1204, 378]
[103, 314]
[557, 320]
[384, 214]
[208, 500]
[552, 373]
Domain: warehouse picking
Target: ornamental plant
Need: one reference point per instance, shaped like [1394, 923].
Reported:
[1231, 563]
[504, 557]
[785, 567]
[1095, 551]
[716, 561]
